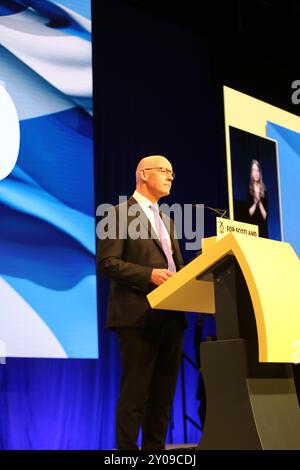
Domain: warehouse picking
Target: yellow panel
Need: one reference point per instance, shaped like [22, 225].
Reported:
[184, 292]
[208, 242]
[193, 296]
[250, 114]
[272, 273]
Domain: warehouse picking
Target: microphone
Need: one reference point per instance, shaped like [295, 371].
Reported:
[220, 212]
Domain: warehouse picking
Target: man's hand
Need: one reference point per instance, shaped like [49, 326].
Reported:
[159, 276]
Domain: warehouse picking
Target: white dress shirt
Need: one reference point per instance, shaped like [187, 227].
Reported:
[146, 206]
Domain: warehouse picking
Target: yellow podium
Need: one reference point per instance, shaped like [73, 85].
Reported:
[252, 285]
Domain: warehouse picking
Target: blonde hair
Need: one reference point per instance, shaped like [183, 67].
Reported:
[262, 186]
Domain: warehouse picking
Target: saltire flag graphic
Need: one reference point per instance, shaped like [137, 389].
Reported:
[47, 230]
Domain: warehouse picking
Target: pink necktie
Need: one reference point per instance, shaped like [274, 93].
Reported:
[160, 229]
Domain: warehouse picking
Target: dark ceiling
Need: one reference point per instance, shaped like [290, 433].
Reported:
[253, 45]
[237, 14]
[249, 21]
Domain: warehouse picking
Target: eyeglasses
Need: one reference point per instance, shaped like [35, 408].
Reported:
[165, 171]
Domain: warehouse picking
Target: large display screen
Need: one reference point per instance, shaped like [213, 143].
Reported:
[47, 236]
[264, 139]
[254, 158]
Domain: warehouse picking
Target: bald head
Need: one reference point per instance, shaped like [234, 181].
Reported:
[153, 161]
[150, 181]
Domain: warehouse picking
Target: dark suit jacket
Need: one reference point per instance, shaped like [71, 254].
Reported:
[128, 263]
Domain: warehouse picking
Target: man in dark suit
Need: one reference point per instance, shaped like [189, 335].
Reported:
[143, 254]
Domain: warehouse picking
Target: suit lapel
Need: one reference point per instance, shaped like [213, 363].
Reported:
[147, 225]
[145, 221]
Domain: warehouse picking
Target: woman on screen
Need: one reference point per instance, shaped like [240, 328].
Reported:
[258, 199]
